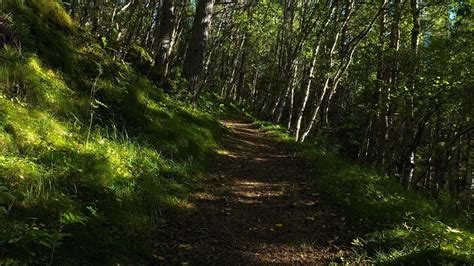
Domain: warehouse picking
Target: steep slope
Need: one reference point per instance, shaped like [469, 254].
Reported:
[91, 152]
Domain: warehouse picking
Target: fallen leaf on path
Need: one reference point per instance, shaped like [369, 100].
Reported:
[159, 257]
[185, 246]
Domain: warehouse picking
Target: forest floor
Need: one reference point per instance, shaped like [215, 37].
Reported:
[259, 204]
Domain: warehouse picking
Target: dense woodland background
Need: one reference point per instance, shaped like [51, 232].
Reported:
[387, 84]
[390, 82]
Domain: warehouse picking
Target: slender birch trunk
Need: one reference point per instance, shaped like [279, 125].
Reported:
[311, 75]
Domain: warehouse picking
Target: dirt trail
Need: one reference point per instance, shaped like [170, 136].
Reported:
[260, 205]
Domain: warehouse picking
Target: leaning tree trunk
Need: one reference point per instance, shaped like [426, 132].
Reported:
[193, 62]
[311, 75]
[327, 83]
[165, 37]
[346, 59]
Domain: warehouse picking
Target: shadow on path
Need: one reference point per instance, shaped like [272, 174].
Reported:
[259, 205]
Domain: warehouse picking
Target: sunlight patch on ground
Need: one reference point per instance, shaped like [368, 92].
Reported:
[253, 189]
[249, 201]
[257, 184]
[250, 194]
[233, 124]
[204, 196]
[187, 205]
[222, 152]
[226, 153]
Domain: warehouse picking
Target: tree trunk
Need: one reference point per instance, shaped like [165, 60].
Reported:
[231, 86]
[311, 75]
[389, 83]
[164, 40]
[193, 62]
[327, 83]
[291, 106]
[345, 61]
[290, 88]
[409, 167]
[468, 186]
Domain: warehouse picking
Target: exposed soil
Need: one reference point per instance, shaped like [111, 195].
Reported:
[259, 205]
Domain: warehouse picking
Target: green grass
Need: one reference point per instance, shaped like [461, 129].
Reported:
[92, 154]
[277, 131]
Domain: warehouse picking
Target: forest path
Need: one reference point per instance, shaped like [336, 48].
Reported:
[259, 205]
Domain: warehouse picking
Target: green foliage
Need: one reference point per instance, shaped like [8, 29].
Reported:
[7, 199]
[215, 105]
[30, 243]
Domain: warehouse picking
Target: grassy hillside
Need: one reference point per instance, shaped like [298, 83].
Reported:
[91, 152]
[391, 225]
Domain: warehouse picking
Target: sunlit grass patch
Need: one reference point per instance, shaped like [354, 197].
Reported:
[278, 131]
[24, 78]
[424, 241]
[52, 11]
[50, 162]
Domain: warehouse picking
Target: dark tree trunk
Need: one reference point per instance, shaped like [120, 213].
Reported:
[193, 62]
[164, 40]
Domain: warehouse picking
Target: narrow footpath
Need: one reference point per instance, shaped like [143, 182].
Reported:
[260, 204]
